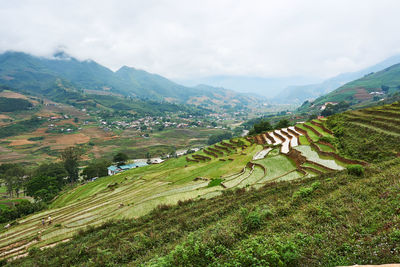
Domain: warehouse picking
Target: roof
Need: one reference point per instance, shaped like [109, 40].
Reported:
[141, 164]
[127, 166]
[112, 168]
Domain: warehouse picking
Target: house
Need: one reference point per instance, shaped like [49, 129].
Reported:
[156, 161]
[112, 170]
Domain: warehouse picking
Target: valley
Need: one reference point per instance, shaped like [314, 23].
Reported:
[292, 153]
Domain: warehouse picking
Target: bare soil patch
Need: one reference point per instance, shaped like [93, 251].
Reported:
[66, 140]
[4, 117]
[20, 142]
[12, 95]
[362, 94]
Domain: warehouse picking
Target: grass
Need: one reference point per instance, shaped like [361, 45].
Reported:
[137, 192]
[325, 148]
[310, 222]
[312, 135]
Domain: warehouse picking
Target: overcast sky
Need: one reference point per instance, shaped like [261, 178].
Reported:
[187, 39]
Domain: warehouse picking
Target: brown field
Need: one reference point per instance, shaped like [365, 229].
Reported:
[20, 142]
[3, 117]
[9, 94]
[362, 94]
[99, 152]
[66, 140]
[95, 132]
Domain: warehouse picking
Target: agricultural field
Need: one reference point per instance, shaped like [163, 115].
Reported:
[55, 126]
[234, 164]
[371, 134]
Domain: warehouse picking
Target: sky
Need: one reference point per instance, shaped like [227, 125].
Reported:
[185, 39]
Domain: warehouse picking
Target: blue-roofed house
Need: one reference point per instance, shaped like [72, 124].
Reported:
[114, 169]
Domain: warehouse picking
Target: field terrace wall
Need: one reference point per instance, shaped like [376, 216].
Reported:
[320, 165]
[326, 143]
[258, 139]
[228, 145]
[280, 137]
[270, 138]
[210, 153]
[381, 113]
[328, 154]
[297, 157]
[265, 139]
[216, 151]
[320, 125]
[251, 165]
[312, 129]
[383, 123]
[286, 134]
[392, 126]
[201, 157]
[191, 160]
[304, 132]
[251, 140]
[293, 132]
[222, 148]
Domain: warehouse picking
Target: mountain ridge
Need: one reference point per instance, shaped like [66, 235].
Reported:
[38, 74]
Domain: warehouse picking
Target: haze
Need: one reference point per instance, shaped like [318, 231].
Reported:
[193, 39]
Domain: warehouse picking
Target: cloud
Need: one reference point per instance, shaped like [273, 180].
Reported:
[183, 39]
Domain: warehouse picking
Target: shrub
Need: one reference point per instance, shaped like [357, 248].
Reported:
[215, 182]
[304, 192]
[355, 169]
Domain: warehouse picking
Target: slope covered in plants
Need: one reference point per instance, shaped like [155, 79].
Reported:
[329, 220]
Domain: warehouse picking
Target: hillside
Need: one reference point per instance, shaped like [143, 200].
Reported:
[303, 153]
[312, 222]
[49, 76]
[298, 94]
[359, 92]
[282, 197]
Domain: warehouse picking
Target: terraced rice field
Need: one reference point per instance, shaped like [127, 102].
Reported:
[385, 120]
[240, 163]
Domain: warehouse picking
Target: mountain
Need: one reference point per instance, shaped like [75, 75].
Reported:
[264, 86]
[383, 83]
[298, 94]
[49, 75]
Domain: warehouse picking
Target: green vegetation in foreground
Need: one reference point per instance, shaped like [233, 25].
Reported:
[310, 222]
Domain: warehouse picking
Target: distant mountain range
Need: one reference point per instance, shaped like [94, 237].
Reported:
[289, 90]
[47, 76]
[267, 87]
[298, 94]
[380, 85]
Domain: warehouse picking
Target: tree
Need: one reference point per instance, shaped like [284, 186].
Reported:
[56, 170]
[96, 168]
[260, 127]
[70, 157]
[218, 138]
[385, 88]
[14, 178]
[282, 124]
[42, 188]
[120, 158]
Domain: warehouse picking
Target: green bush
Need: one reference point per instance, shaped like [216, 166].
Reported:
[215, 182]
[355, 169]
[304, 192]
